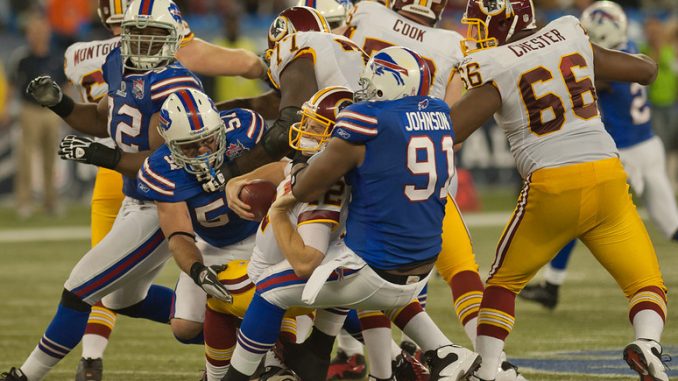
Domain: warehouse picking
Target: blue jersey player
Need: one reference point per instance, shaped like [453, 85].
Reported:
[395, 151]
[628, 118]
[197, 140]
[118, 271]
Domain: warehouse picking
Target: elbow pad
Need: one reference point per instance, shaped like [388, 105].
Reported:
[276, 139]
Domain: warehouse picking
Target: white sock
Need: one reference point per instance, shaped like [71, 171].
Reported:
[245, 361]
[38, 364]
[425, 333]
[376, 339]
[272, 360]
[471, 329]
[554, 276]
[93, 346]
[647, 324]
[304, 326]
[329, 323]
[490, 349]
[348, 344]
[395, 349]
[215, 373]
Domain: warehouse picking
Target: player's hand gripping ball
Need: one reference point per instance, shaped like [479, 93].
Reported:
[259, 195]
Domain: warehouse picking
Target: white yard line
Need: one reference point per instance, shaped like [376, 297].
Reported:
[80, 233]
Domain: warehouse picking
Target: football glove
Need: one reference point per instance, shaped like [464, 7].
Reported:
[45, 91]
[86, 150]
[206, 277]
[212, 180]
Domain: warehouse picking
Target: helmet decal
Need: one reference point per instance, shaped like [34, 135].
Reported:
[384, 63]
[188, 101]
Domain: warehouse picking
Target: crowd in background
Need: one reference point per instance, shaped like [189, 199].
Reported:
[653, 25]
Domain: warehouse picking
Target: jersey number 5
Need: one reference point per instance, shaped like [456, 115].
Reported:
[428, 166]
[536, 106]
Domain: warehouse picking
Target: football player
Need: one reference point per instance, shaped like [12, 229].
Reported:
[120, 269]
[380, 265]
[203, 234]
[640, 150]
[82, 65]
[539, 84]
[303, 57]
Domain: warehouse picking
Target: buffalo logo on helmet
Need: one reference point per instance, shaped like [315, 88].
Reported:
[175, 12]
[383, 63]
[165, 121]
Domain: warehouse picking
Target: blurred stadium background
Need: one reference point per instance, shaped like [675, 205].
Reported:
[580, 340]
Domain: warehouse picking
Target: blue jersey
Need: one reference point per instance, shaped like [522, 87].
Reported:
[398, 194]
[160, 179]
[133, 99]
[625, 110]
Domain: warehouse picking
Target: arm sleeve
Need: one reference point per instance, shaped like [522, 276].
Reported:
[316, 235]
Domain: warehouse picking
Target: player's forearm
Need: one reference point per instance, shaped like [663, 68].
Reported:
[212, 60]
[85, 118]
[185, 252]
[131, 162]
[265, 104]
[303, 259]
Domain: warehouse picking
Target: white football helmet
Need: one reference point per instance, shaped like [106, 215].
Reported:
[151, 48]
[393, 73]
[111, 12]
[606, 24]
[190, 121]
[334, 11]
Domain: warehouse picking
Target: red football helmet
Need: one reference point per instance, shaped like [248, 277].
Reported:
[431, 9]
[296, 19]
[318, 116]
[111, 11]
[492, 22]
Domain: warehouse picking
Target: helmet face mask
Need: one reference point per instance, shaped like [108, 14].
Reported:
[318, 116]
[150, 37]
[193, 131]
[393, 73]
[492, 23]
[606, 24]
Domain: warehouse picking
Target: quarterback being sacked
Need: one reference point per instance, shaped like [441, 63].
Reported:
[539, 84]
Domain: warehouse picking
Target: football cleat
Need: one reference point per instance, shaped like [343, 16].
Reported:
[645, 357]
[345, 367]
[89, 370]
[509, 372]
[14, 374]
[413, 350]
[451, 363]
[407, 368]
[276, 373]
[545, 294]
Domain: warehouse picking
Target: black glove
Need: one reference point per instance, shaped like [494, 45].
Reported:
[86, 150]
[45, 91]
[212, 180]
[207, 278]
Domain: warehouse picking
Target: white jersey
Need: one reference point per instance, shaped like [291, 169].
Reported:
[549, 111]
[338, 61]
[373, 27]
[331, 210]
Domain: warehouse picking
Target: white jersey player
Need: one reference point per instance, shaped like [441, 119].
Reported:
[373, 26]
[337, 60]
[578, 131]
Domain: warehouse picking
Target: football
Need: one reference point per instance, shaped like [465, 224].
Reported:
[259, 195]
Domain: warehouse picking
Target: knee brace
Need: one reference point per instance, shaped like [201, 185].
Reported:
[72, 301]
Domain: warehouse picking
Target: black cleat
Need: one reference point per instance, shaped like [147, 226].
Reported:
[89, 370]
[14, 374]
[545, 294]
[276, 373]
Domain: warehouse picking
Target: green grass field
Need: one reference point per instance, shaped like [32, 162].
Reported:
[582, 339]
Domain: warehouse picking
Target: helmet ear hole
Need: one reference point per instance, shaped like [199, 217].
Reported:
[380, 93]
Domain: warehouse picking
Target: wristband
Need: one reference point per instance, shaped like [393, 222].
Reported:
[181, 233]
[65, 106]
[103, 156]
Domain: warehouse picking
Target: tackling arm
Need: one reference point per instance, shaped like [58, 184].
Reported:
[266, 104]
[310, 182]
[212, 60]
[473, 110]
[90, 119]
[297, 84]
[174, 218]
[613, 65]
